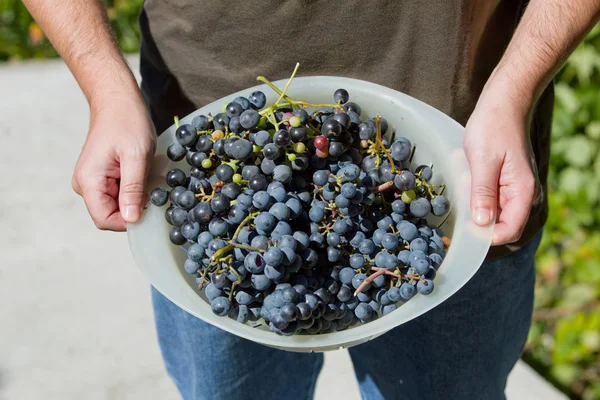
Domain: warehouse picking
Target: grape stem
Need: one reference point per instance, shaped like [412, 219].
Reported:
[287, 85]
[369, 279]
[234, 284]
[176, 118]
[383, 187]
[380, 143]
[203, 277]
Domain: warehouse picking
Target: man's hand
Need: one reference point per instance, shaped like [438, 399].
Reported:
[113, 166]
[502, 179]
[496, 137]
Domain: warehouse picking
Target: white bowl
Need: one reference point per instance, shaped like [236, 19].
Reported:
[438, 141]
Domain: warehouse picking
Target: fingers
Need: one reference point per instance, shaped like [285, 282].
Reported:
[485, 175]
[515, 212]
[100, 200]
[134, 171]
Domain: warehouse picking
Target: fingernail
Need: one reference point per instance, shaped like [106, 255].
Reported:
[131, 213]
[483, 216]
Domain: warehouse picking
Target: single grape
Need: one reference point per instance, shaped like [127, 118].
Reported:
[261, 138]
[321, 142]
[425, 286]
[298, 134]
[271, 151]
[404, 181]
[436, 260]
[212, 292]
[363, 311]
[316, 214]
[390, 241]
[408, 231]
[408, 196]
[233, 109]
[220, 121]
[159, 196]
[176, 152]
[175, 177]
[280, 211]
[420, 207]
[190, 230]
[341, 96]
[260, 282]
[249, 119]
[418, 244]
[440, 205]
[257, 182]
[177, 237]
[407, 291]
[333, 239]
[289, 312]
[220, 203]
[200, 122]
[366, 247]
[265, 221]
[415, 256]
[186, 135]
[357, 261]
[241, 149]
[282, 138]
[282, 173]
[220, 306]
[217, 227]
[348, 190]
[421, 266]
[257, 99]
[333, 254]
[400, 150]
[350, 106]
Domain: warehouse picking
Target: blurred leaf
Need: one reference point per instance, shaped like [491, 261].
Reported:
[577, 295]
[580, 152]
[565, 373]
[591, 340]
[571, 180]
[584, 60]
[593, 130]
[566, 97]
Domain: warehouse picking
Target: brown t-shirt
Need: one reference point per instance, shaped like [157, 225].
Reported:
[439, 51]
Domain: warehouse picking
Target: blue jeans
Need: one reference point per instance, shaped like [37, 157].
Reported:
[462, 349]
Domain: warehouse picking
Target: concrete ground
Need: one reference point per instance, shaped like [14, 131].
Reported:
[76, 321]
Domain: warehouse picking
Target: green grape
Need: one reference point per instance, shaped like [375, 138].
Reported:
[408, 196]
[295, 121]
[206, 163]
[299, 147]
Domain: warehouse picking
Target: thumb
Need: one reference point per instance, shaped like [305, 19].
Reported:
[134, 171]
[485, 175]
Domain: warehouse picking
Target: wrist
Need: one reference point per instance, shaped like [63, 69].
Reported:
[504, 94]
[106, 81]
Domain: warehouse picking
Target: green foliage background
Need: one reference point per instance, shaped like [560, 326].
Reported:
[564, 341]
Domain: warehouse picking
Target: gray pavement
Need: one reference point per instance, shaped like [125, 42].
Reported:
[75, 320]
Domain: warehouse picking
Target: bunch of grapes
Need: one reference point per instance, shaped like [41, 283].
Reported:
[312, 221]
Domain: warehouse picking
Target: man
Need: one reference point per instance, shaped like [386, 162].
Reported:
[488, 64]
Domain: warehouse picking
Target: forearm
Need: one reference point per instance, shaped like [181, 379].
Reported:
[80, 32]
[548, 32]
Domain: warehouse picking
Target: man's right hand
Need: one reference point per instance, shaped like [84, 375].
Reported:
[113, 165]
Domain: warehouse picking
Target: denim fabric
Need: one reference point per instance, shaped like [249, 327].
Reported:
[462, 349]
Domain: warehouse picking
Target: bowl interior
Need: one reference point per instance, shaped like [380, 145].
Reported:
[438, 141]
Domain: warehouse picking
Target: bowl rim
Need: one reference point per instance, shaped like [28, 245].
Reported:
[338, 339]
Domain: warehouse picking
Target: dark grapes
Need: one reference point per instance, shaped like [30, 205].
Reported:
[305, 220]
